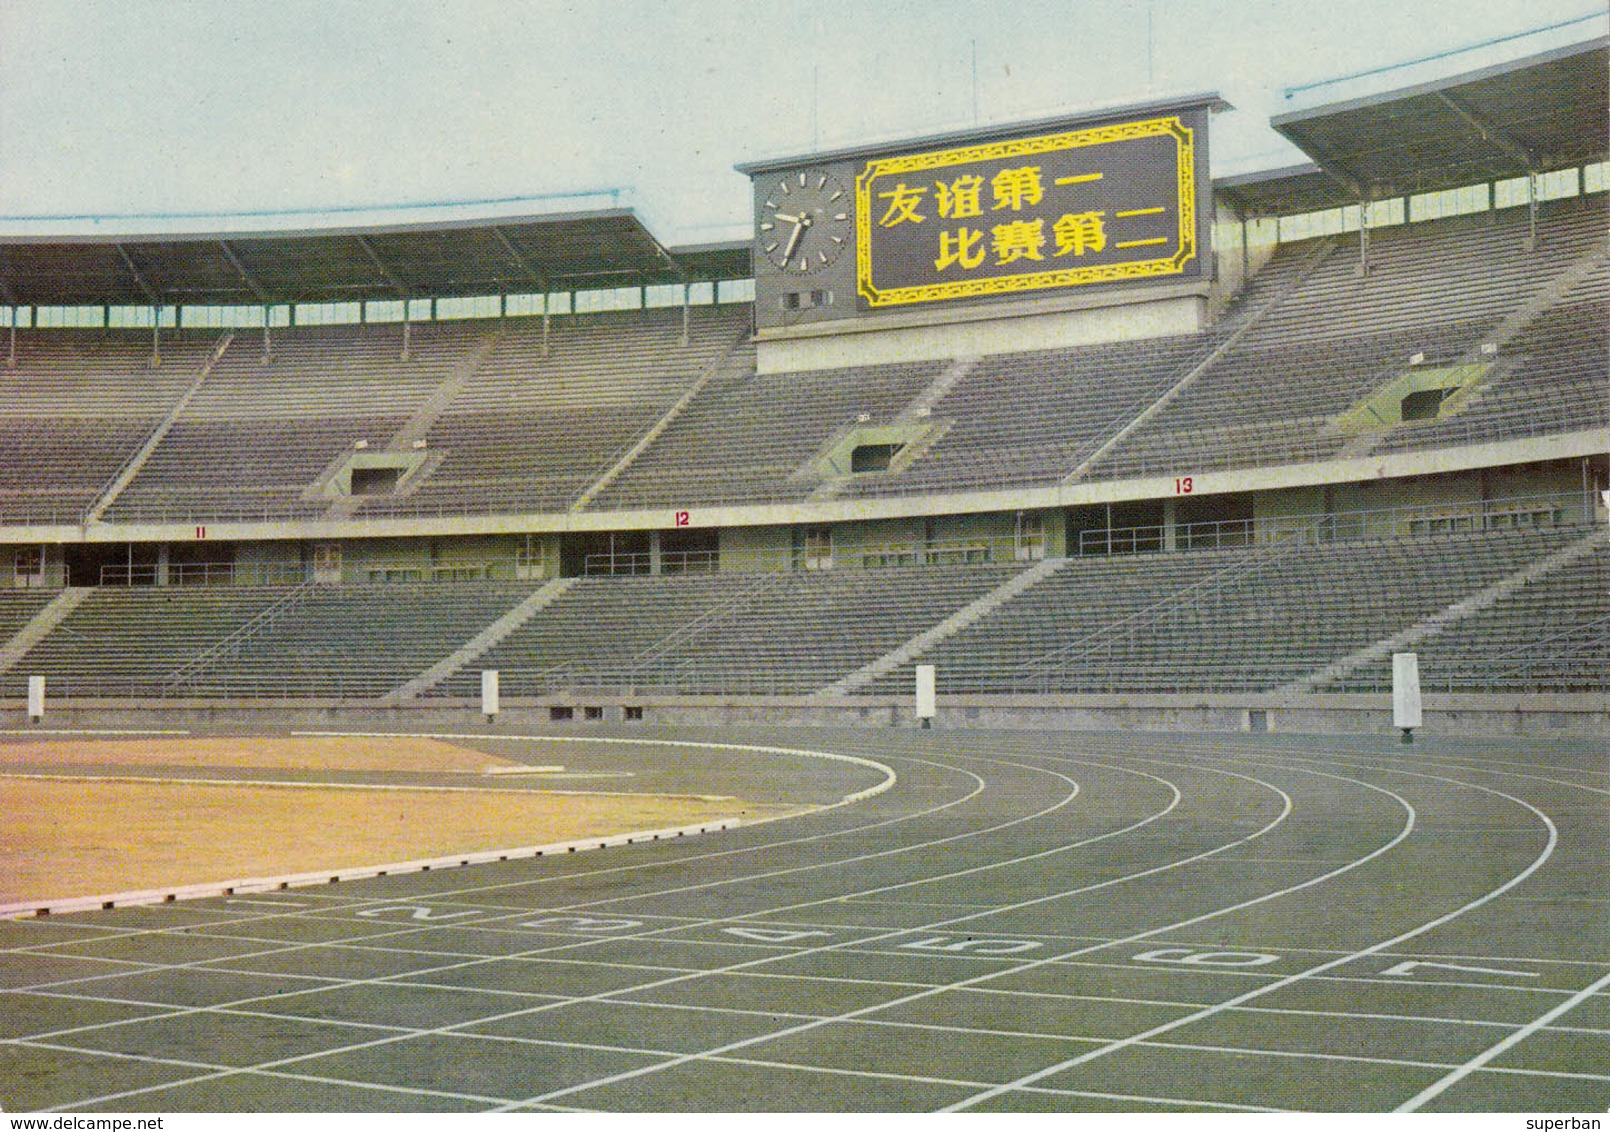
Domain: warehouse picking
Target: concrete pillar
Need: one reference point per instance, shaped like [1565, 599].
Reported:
[1170, 510]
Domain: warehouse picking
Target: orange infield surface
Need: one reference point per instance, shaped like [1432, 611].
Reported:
[64, 836]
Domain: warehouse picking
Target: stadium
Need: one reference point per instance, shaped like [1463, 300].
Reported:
[1000, 567]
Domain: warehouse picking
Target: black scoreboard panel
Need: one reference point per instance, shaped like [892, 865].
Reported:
[1115, 202]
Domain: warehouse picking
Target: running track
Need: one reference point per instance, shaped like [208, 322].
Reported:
[1023, 922]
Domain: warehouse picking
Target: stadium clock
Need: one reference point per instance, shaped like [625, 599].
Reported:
[804, 223]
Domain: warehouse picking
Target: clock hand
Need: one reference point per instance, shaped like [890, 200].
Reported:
[793, 241]
[785, 218]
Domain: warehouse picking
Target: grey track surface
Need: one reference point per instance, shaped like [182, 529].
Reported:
[1027, 921]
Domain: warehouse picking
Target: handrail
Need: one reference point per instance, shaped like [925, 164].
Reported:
[233, 641]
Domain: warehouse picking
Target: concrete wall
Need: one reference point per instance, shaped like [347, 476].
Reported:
[1558, 716]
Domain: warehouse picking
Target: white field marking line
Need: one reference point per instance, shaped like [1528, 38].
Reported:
[1437, 1088]
[797, 1066]
[34, 731]
[889, 775]
[316, 784]
[1309, 1055]
[1403, 833]
[683, 977]
[228, 1071]
[216, 964]
[1289, 980]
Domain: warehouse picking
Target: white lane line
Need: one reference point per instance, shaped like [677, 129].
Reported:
[682, 977]
[1437, 1088]
[1209, 1012]
[1407, 828]
[979, 787]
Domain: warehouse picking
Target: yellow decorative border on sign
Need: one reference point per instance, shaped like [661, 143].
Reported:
[1185, 173]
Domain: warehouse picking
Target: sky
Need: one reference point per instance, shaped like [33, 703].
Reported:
[157, 115]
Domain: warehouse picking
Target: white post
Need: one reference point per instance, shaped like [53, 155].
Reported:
[36, 698]
[489, 693]
[1406, 693]
[925, 694]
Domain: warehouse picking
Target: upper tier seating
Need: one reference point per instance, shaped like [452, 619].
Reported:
[1437, 289]
[531, 433]
[76, 406]
[260, 432]
[506, 428]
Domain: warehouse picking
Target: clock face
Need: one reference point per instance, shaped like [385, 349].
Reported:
[804, 222]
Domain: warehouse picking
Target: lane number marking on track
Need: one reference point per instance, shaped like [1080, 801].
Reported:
[587, 924]
[414, 912]
[972, 945]
[776, 935]
[1409, 967]
[1194, 957]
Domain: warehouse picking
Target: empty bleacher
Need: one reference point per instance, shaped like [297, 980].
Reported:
[1245, 620]
[1436, 289]
[128, 641]
[75, 407]
[530, 432]
[769, 633]
[260, 432]
[745, 437]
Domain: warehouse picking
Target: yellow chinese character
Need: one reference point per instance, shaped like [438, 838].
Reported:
[903, 204]
[1016, 187]
[1079, 232]
[960, 247]
[960, 197]
[1021, 239]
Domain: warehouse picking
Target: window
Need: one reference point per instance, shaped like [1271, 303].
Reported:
[632, 713]
[28, 567]
[561, 714]
[592, 712]
[816, 548]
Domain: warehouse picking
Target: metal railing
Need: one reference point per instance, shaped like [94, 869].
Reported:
[1418, 520]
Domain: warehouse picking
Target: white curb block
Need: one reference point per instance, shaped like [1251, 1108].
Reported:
[332, 876]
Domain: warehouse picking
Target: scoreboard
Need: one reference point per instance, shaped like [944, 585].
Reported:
[1116, 201]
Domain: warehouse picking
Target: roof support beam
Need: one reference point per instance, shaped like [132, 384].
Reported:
[520, 260]
[1489, 132]
[385, 272]
[1335, 167]
[245, 276]
[139, 279]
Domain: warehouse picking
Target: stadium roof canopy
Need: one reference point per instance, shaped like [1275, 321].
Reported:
[1530, 115]
[555, 252]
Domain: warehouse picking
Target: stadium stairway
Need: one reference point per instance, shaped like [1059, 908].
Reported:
[950, 626]
[131, 468]
[1321, 252]
[415, 428]
[480, 644]
[732, 362]
[915, 412]
[1510, 327]
[52, 614]
[1446, 618]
